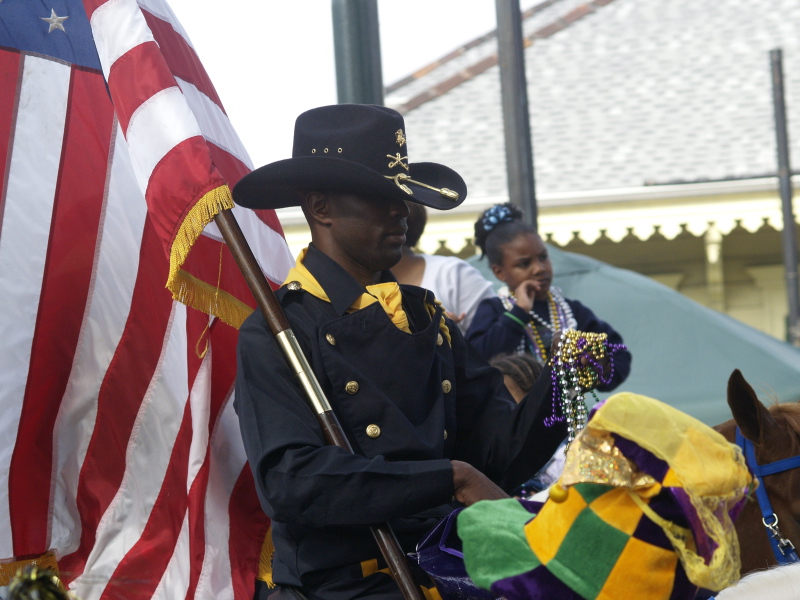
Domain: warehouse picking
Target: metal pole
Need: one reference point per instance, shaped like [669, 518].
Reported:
[514, 92]
[785, 183]
[357, 48]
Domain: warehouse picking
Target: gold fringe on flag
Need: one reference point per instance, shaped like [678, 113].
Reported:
[45, 561]
[265, 560]
[198, 294]
[186, 288]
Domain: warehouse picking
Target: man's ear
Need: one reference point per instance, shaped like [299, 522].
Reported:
[499, 272]
[317, 208]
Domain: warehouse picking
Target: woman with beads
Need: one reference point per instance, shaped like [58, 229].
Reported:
[528, 312]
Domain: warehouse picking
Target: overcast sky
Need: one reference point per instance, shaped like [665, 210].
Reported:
[272, 59]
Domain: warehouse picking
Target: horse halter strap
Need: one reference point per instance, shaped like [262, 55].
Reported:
[782, 547]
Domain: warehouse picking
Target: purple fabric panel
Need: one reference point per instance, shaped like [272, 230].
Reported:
[682, 588]
[537, 584]
[665, 505]
[649, 532]
[705, 545]
[532, 506]
[644, 459]
[737, 508]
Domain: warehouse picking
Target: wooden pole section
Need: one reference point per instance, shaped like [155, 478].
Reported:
[334, 435]
[785, 184]
[514, 96]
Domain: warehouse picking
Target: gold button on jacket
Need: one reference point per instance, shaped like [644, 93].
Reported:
[446, 386]
[373, 431]
[351, 387]
[331, 339]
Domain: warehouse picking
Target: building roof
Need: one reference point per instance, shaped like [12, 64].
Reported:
[622, 94]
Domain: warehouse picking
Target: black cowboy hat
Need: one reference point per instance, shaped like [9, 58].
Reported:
[355, 148]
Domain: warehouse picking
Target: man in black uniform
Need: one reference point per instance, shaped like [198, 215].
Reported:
[431, 424]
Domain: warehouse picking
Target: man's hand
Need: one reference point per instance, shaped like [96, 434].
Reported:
[471, 486]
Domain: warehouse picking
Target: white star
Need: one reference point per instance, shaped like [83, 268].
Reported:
[54, 20]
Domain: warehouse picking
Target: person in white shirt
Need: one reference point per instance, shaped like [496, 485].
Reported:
[458, 285]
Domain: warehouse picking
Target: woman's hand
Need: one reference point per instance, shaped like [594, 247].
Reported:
[454, 317]
[471, 486]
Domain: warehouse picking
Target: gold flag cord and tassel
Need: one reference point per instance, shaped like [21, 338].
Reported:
[186, 288]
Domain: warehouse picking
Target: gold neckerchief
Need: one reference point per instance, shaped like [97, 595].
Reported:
[387, 294]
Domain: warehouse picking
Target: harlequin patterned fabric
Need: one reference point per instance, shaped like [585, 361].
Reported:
[632, 524]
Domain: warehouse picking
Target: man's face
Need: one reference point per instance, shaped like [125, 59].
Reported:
[369, 232]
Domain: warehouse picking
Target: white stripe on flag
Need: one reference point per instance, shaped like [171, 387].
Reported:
[269, 247]
[147, 457]
[114, 277]
[162, 122]
[200, 401]
[175, 581]
[118, 26]
[227, 461]
[214, 123]
[31, 185]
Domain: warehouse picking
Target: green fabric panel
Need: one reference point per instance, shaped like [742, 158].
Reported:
[591, 491]
[588, 553]
[509, 553]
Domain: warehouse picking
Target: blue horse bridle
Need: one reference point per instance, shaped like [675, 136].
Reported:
[782, 548]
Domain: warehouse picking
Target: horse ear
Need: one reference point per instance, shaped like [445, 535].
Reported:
[750, 414]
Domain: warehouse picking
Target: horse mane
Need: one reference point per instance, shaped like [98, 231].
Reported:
[788, 412]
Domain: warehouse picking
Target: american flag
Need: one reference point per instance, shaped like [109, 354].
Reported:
[119, 449]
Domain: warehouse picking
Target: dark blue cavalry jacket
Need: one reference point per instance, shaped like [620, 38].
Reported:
[431, 402]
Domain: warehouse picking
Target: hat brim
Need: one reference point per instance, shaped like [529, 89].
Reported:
[276, 185]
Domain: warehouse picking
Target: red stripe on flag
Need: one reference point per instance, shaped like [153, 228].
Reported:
[223, 373]
[197, 530]
[10, 76]
[144, 564]
[233, 170]
[248, 525]
[67, 277]
[205, 263]
[136, 76]
[92, 5]
[121, 393]
[181, 57]
[180, 178]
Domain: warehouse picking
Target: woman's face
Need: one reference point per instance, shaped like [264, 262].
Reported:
[525, 258]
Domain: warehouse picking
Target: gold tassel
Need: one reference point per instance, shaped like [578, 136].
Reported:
[265, 560]
[200, 295]
[188, 289]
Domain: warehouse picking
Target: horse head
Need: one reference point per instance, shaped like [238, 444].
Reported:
[775, 434]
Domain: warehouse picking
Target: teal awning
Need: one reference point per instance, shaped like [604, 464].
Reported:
[683, 352]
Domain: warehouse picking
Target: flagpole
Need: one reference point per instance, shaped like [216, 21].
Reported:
[332, 429]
